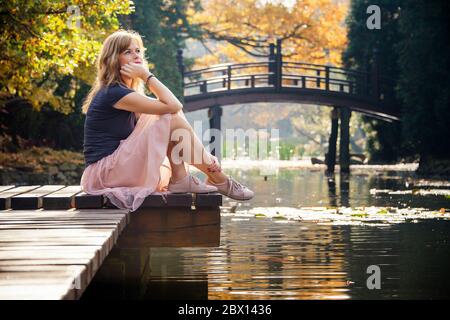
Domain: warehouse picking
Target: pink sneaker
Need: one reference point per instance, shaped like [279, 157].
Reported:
[190, 184]
[233, 189]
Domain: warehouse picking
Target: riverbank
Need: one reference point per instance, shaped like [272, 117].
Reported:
[47, 166]
[41, 166]
[306, 163]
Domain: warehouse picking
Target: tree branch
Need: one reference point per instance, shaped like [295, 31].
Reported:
[306, 134]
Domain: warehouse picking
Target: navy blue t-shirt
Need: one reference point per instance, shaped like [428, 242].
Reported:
[105, 126]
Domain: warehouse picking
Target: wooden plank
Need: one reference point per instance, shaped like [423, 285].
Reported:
[105, 246]
[51, 248]
[66, 277]
[61, 199]
[62, 248]
[84, 200]
[33, 198]
[17, 257]
[48, 234]
[5, 197]
[67, 225]
[34, 242]
[25, 226]
[171, 227]
[45, 254]
[16, 281]
[4, 188]
[97, 213]
[58, 223]
[90, 259]
[154, 201]
[152, 219]
[199, 236]
[208, 200]
[106, 238]
[88, 201]
[28, 292]
[157, 201]
[61, 261]
[179, 200]
[120, 217]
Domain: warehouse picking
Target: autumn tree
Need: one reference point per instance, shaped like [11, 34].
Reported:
[48, 53]
[43, 41]
[164, 28]
[311, 30]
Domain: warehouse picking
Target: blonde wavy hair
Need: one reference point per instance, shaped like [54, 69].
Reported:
[107, 63]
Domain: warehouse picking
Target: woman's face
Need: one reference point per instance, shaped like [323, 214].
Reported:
[132, 54]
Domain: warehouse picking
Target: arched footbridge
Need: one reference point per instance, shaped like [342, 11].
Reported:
[276, 80]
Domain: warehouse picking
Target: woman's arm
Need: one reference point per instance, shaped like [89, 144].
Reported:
[166, 101]
[160, 90]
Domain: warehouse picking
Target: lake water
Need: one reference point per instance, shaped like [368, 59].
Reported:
[303, 236]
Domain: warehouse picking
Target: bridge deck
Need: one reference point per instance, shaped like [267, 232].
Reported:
[54, 254]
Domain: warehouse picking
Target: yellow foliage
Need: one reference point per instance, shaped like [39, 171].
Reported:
[312, 30]
[41, 43]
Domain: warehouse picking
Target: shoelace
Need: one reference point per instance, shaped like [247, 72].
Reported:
[236, 186]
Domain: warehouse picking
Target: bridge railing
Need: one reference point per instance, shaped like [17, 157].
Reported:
[229, 76]
[226, 77]
[313, 76]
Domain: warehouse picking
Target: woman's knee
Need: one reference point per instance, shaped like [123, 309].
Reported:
[179, 121]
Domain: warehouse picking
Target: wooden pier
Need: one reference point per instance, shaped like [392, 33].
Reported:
[54, 239]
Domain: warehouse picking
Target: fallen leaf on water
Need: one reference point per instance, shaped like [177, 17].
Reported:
[360, 215]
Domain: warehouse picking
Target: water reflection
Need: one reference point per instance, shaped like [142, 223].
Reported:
[344, 188]
[207, 254]
[312, 188]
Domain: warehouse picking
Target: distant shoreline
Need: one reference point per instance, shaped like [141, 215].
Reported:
[306, 163]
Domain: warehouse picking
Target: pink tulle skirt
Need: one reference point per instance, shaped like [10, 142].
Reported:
[137, 168]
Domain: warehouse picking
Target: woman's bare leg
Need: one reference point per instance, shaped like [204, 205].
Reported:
[178, 169]
[200, 157]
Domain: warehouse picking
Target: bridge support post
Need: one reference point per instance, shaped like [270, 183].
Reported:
[272, 64]
[279, 67]
[330, 157]
[344, 154]
[215, 117]
[180, 66]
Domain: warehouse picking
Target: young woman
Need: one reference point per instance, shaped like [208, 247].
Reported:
[129, 144]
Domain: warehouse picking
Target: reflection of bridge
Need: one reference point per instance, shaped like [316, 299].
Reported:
[276, 80]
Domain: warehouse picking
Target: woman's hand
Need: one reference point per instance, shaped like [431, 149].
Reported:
[134, 70]
[215, 165]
